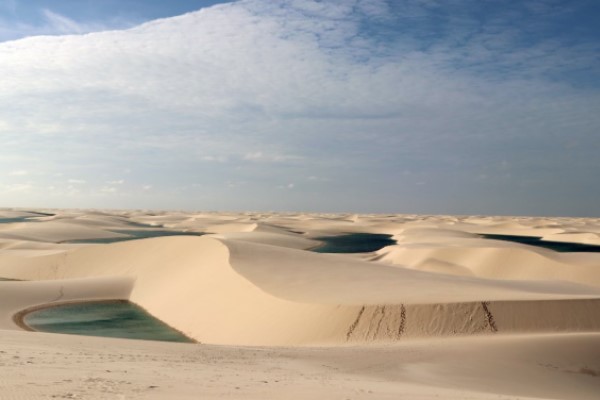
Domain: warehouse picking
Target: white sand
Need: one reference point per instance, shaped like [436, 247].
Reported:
[442, 313]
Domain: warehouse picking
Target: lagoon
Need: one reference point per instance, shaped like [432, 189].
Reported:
[354, 243]
[136, 234]
[563, 247]
[119, 319]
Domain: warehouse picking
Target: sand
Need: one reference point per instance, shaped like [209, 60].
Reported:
[443, 313]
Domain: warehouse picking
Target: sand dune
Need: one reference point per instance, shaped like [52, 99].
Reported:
[575, 237]
[252, 282]
[208, 288]
[435, 250]
[41, 366]
[53, 231]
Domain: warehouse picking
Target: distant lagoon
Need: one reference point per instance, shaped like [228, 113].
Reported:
[563, 247]
[354, 243]
[136, 234]
[13, 220]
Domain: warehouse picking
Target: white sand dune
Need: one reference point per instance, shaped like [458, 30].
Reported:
[575, 237]
[208, 288]
[4, 213]
[262, 233]
[253, 283]
[53, 231]
[438, 249]
[41, 366]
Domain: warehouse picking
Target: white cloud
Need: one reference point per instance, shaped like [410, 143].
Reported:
[20, 172]
[256, 156]
[223, 94]
[18, 187]
[62, 24]
[259, 156]
[314, 178]
[52, 23]
[219, 159]
[108, 190]
[116, 182]
[288, 186]
[72, 191]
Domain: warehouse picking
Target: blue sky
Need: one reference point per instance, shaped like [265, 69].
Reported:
[408, 106]
[22, 18]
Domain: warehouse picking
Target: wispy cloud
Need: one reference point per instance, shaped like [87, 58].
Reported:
[109, 190]
[51, 23]
[18, 187]
[60, 23]
[278, 91]
[259, 156]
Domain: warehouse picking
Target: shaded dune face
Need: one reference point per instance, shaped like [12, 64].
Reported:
[394, 322]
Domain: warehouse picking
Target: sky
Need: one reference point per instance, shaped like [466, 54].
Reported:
[371, 106]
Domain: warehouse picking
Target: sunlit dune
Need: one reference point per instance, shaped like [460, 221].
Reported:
[440, 290]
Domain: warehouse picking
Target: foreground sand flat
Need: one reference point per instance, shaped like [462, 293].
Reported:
[443, 312]
[36, 365]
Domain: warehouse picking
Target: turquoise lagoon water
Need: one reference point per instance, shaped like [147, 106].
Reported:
[13, 220]
[354, 243]
[119, 319]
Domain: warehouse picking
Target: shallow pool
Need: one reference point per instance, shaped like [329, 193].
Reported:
[120, 319]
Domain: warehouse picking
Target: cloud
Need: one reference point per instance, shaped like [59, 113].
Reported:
[18, 187]
[270, 92]
[314, 178]
[116, 182]
[62, 24]
[259, 156]
[51, 23]
[109, 190]
[219, 159]
[20, 172]
[77, 181]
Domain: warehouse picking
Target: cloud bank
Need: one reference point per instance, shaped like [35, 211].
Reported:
[404, 106]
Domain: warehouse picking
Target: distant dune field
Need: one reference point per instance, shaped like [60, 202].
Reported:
[442, 312]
